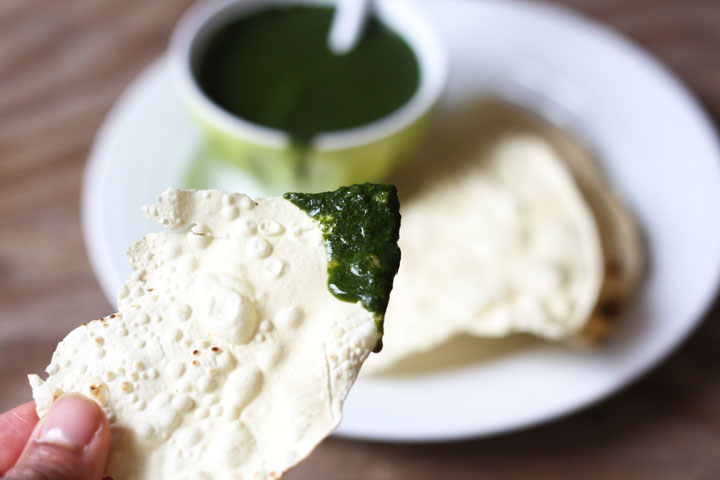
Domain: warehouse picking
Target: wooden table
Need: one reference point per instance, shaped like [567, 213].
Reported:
[63, 64]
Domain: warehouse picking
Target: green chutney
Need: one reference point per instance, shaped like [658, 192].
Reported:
[361, 227]
[274, 68]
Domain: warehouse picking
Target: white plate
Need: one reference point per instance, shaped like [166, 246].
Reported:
[657, 147]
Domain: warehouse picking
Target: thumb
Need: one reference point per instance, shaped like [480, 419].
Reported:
[70, 443]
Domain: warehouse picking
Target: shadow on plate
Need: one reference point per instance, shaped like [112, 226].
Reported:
[208, 169]
[460, 352]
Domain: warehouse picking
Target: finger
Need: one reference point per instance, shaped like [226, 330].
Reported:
[70, 443]
[16, 426]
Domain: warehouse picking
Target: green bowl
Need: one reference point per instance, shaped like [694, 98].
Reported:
[364, 154]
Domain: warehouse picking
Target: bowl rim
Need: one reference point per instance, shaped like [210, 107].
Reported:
[400, 15]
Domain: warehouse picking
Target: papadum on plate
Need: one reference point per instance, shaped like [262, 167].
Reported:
[509, 228]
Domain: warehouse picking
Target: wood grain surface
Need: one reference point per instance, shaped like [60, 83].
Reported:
[63, 64]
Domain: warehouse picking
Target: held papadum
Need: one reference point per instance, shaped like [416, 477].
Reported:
[229, 356]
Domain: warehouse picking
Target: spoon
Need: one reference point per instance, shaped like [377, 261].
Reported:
[347, 24]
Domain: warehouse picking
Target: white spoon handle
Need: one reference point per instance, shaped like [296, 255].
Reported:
[347, 24]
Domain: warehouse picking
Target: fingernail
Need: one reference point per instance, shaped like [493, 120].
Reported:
[72, 423]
